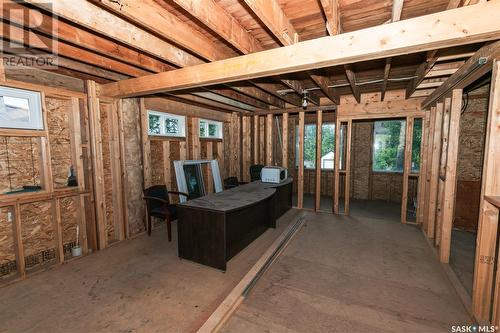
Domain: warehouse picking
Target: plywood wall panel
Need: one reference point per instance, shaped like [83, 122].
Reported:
[37, 233]
[69, 221]
[59, 138]
[7, 247]
[19, 163]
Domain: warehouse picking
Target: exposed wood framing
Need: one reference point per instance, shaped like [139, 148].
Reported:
[469, 72]
[256, 141]
[98, 167]
[195, 138]
[319, 137]
[284, 156]
[336, 184]
[300, 152]
[210, 156]
[146, 144]
[406, 167]
[450, 182]
[348, 143]
[269, 139]
[423, 172]
[246, 147]
[412, 37]
[434, 171]
[488, 213]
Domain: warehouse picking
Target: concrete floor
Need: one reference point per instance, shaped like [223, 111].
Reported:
[360, 208]
[138, 285]
[462, 257]
[352, 274]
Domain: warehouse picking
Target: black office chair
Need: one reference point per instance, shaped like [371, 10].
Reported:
[158, 205]
[255, 172]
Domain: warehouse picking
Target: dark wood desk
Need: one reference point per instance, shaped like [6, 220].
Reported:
[213, 229]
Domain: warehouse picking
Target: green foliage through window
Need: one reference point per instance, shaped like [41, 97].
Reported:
[327, 146]
[389, 145]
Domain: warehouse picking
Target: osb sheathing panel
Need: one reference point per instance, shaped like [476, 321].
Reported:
[470, 163]
[19, 162]
[59, 137]
[37, 232]
[108, 175]
[471, 139]
[227, 149]
[69, 221]
[361, 159]
[7, 252]
[134, 180]
[157, 165]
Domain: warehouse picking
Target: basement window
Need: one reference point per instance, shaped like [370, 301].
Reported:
[20, 109]
[166, 124]
[389, 145]
[327, 146]
[210, 129]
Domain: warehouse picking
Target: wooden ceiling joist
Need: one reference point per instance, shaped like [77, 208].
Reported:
[474, 68]
[334, 27]
[16, 13]
[94, 18]
[39, 41]
[397, 10]
[461, 26]
[152, 17]
[273, 17]
[323, 83]
[422, 72]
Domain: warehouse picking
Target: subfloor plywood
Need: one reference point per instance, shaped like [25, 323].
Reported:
[348, 274]
[138, 285]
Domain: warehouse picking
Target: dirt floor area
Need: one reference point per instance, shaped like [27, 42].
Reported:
[352, 274]
[138, 285]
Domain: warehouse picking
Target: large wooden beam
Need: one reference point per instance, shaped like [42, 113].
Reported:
[477, 65]
[456, 27]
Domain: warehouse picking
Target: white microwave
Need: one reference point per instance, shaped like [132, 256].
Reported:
[273, 174]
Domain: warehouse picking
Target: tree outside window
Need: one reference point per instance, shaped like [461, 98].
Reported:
[327, 146]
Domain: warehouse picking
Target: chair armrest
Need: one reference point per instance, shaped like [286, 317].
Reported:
[179, 193]
[156, 199]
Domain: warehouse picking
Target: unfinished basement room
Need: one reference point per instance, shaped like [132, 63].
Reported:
[250, 166]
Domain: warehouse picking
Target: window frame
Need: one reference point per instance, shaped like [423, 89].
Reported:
[163, 116]
[35, 109]
[315, 131]
[403, 122]
[208, 122]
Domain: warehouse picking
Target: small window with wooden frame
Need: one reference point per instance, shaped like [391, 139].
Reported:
[210, 129]
[166, 124]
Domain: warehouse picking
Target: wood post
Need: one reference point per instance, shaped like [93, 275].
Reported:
[269, 139]
[348, 167]
[256, 141]
[450, 182]
[406, 167]
[210, 156]
[195, 138]
[246, 147]
[300, 180]
[434, 171]
[319, 125]
[97, 162]
[336, 188]
[284, 158]
[422, 178]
